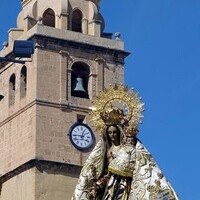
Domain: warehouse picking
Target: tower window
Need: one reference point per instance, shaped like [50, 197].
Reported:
[23, 79]
[49, 18]
[76, 22]
[79, 80]
[12, 89]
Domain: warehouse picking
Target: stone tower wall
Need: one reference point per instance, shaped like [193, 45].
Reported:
[37, 159]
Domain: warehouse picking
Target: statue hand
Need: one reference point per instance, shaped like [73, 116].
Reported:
[92, 192]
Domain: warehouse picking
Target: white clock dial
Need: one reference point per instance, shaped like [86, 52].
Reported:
[81, 136]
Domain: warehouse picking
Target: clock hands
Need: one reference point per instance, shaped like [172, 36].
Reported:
[82, 136]
[77, 135]
[83, 133]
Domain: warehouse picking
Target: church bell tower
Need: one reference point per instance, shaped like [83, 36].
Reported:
[45, 129]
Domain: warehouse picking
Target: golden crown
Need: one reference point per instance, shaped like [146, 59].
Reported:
[117, 105]
[112, 116]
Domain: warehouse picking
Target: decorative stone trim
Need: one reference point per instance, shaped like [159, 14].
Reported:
[48, 43]
[43, 166]
[63, 106]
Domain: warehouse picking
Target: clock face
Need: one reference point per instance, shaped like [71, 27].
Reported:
[81, 136]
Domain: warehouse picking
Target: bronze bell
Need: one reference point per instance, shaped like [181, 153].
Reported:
[79, 85]
[79, 90]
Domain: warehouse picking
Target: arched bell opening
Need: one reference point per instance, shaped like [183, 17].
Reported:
[12, 83]
[23, 80]
[76, 21]
[79, 80]
[48, 18]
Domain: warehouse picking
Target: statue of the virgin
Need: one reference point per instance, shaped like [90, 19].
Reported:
[120, 167]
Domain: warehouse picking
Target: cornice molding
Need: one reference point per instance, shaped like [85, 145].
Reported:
[48, 43]
[43, 166]
[64, 106]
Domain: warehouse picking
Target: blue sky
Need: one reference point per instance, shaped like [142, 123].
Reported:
[164, 67]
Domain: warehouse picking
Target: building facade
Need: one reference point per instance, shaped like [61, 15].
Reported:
[44, 98]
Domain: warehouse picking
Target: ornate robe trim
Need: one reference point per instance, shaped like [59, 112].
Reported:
[119, 172]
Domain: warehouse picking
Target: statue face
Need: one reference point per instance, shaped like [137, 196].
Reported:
[113, 133]
[131, 140]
